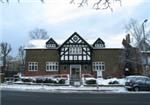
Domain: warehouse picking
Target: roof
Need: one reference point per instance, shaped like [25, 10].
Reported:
[76, 34]
[51, 41]
[100, 41]
[41, 44]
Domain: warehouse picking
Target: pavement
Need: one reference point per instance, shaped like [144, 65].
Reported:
[47, 98]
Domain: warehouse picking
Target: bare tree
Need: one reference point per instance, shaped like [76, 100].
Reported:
[131, 60]
[141, 41]
[7, 1]
[5, 50]
[22, 54]
[38, 34]
[96, 4]
[136, 31]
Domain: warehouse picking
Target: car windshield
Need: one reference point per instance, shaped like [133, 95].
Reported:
[133, 78]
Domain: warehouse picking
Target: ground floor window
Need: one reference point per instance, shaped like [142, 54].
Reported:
[98, 66]
[51, 66]
[33, 66]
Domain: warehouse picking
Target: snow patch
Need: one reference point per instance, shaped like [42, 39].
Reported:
[36, 44]
[61, 88]
[101, 81]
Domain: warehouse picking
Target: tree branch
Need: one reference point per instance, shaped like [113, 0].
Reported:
[7, 1]
[100, 4]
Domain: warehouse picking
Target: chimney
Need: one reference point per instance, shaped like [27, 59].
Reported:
[128, 38]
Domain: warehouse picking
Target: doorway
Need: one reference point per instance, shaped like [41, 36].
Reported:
[75, 72]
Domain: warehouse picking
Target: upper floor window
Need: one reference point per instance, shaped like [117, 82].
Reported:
[51, 45]
[98, 66]
[51, 66]
[33, 66]
[99, 45]
[75, 50]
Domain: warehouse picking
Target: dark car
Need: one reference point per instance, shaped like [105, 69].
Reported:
[137, 83]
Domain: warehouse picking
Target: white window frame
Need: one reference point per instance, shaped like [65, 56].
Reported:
[51, 66]
[33, 66]
[99, 45]
[51, 45]
[98, 66]
[75, 50]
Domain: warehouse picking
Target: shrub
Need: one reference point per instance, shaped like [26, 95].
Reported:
[113, 82]
[92, 81]
[49, 81]
[61, 81]
[39, 80]
[26, 80]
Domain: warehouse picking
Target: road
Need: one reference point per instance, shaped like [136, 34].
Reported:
[39, 98]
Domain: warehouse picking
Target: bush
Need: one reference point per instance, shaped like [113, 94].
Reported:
[49, 81]
[26, 80]
[113, 82]
[61, 81]
[39, 80]
[92, 81]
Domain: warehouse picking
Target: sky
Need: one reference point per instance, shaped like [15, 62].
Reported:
[61, 19]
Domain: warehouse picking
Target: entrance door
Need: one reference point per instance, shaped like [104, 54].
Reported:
[75, 72]
[99, 74]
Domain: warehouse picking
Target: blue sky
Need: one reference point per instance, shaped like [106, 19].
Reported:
[61, 19]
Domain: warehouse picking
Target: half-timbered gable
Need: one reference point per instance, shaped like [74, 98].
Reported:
[99, 43]
[75, 50]
[51, 43]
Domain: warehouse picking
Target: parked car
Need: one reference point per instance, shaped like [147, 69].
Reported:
[137, 83]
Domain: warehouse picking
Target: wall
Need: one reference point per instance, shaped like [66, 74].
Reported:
[41, 56]
[111, 59]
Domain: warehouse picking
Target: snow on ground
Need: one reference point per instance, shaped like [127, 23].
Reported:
[101, 81]
[104, 86]
[61, 88]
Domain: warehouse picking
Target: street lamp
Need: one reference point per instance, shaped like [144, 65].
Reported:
[144, 40]
[144, 45]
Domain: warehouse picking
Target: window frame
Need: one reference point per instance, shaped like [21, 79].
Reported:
[52, 66]
[98, 66]
[32, 65]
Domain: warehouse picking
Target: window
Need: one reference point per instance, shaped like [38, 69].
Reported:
[75, 57]
[98, 66]
[75, 50]
[70, 57]
[99, 45]
[51, 45]
[33, 66]
[51, 66]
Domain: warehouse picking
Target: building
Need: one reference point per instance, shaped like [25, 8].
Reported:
[12, 67]
[74, 57]
[146, 62]
[1, 63]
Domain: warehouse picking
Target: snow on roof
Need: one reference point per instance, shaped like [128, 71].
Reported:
[37, 44]
[41, 44]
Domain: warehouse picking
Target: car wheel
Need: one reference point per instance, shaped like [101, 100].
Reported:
[136, 89]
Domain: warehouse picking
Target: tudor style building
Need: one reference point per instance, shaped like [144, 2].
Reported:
[74, 57]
